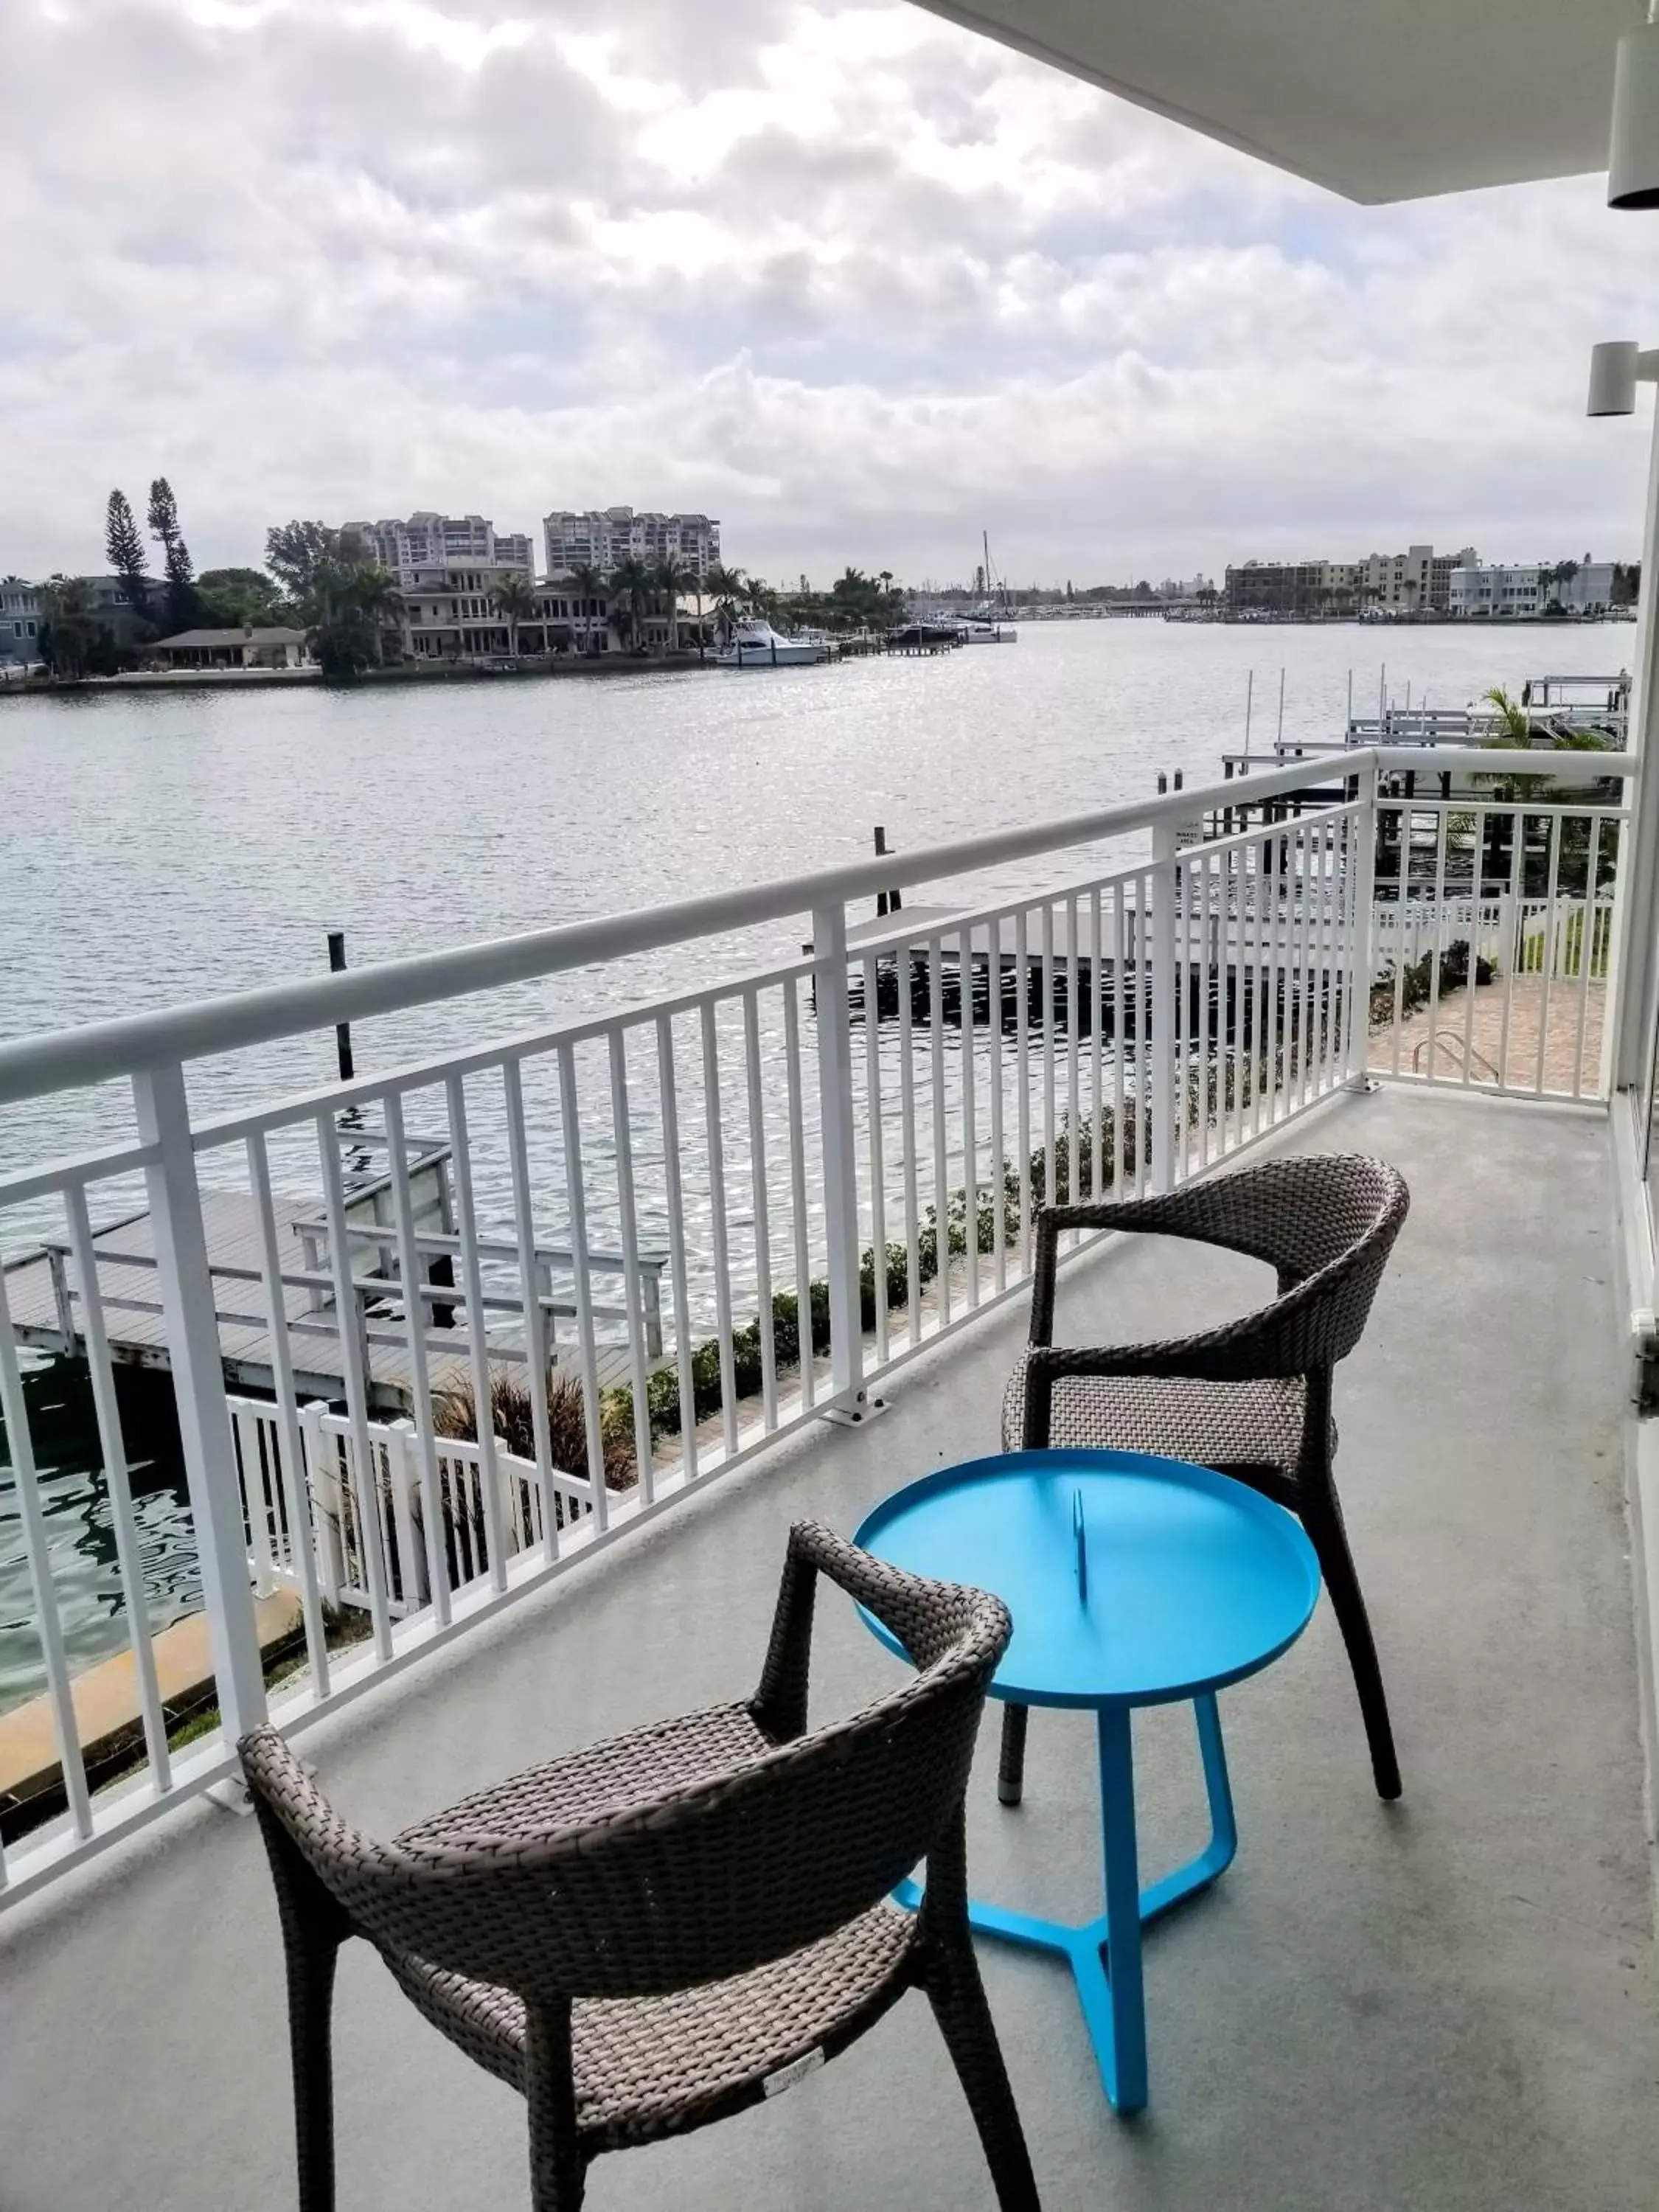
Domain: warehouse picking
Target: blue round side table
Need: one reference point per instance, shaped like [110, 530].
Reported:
[1131, 1581]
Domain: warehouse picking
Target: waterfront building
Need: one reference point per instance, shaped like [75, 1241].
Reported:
[272, 647]
[1416, 581]
[20, 620]
[1528, 590]
[604, 538]
[22, 611]
[451, 610]
[430, 541]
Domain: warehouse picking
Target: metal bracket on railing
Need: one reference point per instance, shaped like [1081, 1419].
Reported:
[851, 1413]
[231, 1796]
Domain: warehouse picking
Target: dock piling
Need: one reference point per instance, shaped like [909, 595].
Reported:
[337, 960]
[886, 901]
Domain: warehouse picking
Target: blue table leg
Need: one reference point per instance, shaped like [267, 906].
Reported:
[1105, 1954]
[1109, 1977]
[1218, 1854]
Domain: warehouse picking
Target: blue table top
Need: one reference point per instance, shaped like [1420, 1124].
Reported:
[1189, 1580]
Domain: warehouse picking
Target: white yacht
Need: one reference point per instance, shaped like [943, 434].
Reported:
[978, 631]
[755, 644]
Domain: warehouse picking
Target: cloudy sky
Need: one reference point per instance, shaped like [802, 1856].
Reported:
[858, 282]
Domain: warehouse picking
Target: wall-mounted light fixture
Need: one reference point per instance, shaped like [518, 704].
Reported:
[1633, 150]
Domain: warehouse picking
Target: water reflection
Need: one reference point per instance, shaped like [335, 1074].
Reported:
[81, 1540]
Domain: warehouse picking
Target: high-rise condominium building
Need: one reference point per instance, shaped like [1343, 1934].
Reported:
[428, 541]
[604, 538]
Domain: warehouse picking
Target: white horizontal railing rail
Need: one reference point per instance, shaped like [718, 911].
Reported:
[826, 1161]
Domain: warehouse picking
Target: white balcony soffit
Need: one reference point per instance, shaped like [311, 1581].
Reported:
[1379, 100]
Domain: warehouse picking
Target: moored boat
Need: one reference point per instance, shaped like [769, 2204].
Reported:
[756, 645]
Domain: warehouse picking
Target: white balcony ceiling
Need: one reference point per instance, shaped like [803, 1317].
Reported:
[1379, 100]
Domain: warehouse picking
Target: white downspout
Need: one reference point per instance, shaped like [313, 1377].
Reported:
[1631, 992]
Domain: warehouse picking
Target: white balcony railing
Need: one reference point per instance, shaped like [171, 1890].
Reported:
[833, 1159]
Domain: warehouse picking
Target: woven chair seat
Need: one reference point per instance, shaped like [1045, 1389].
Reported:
[1219, 1424]
[651, 2066]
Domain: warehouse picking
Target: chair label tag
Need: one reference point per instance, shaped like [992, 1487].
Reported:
[796, 2070]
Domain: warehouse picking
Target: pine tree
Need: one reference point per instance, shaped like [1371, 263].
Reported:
[124, 550]
[163, 514]
[184, 608]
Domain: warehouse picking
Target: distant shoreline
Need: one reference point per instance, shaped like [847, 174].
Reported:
[265, 679]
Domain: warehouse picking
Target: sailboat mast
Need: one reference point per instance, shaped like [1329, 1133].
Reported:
[985, 546]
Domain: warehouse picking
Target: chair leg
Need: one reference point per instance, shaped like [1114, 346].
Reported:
[1010, 1766]
[310, 2024]
[558, 2171]
[958, 1996]
[1323, 1521]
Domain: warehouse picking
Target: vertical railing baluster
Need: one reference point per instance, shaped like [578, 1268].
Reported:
[1074, 1189]
[48, 1623]
[715, 1130]
[998, 1148]
[667, 1092]
[839, 1139]
[1202, 878]
[1441, 834]
[905, 960]
[1165, 995]
[1362, 932]
[1586, 954]
[360, 1464]
[412, 1269]
[304, 1540]
[762, 1205]
[941, 1135]
[798, 1224]
[1120, 1035]
[1095, 980]
[877, 1151]
[1474, 947]
[627, 1222]
[1550, 896]
[575, 1194]
[466, 1224]
[970, 1121]
[1023, 1065]
[534, 1320]
[129, 1557]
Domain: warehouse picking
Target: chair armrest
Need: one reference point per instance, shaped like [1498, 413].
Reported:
[779, 1705]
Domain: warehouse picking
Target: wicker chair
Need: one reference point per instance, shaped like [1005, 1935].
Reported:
[1252, 1398]
[650, 1934]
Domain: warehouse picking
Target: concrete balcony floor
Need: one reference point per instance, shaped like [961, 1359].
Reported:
[1449, 2004]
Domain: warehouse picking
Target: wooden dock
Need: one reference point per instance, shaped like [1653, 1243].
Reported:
[47, 1312]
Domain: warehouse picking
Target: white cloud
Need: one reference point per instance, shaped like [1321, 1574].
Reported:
[855, 281]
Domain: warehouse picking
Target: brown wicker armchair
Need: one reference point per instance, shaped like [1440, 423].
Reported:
[1253, 1398]
[654, 1932]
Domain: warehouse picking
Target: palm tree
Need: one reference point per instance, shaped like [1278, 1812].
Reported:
[590, 589]
[630, 586]
[726, 587]
[368, 596]
[673, 577]
[515, 597]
